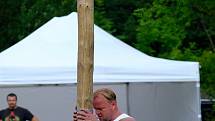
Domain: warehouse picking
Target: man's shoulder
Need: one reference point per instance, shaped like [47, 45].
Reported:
[21, 109]
[128, 119]
[3, 110]
[124, 117]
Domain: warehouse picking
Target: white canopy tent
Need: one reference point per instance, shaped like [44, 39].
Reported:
[149, 88]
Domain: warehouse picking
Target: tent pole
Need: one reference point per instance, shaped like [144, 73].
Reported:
[85, 63]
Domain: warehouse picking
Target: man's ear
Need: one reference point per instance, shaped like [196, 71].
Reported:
[114, 104]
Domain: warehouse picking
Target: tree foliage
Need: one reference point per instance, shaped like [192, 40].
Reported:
[21, 17]
[207, 73]
[162, 26]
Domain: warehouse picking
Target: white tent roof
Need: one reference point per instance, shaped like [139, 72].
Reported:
[49, 56]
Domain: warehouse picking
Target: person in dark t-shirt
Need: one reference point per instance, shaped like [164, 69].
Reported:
[14, 112]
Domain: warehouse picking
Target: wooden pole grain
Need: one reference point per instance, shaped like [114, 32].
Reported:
[85, 63]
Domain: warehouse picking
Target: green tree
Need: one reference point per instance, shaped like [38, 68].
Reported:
[202, 29]
[100, 16]
[123, 22]
[9, 13]
[21, 17]
[36, 13]
[162, 26]
[207, 73]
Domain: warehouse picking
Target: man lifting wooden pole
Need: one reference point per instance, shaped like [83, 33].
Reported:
[85, 65]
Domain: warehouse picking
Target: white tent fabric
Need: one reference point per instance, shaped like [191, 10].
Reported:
[149, 88]
[49, 55]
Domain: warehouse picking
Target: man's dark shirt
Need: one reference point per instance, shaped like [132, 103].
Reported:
[17, 114]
